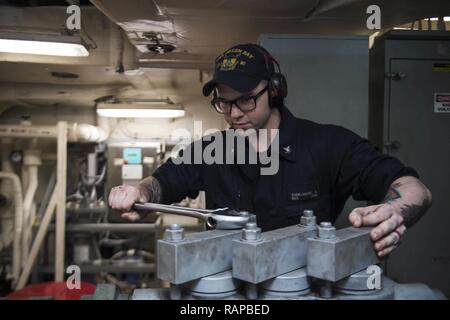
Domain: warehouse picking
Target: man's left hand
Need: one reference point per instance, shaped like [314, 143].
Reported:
[389, 227]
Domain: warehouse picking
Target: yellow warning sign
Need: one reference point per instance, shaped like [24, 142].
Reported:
[441, 67]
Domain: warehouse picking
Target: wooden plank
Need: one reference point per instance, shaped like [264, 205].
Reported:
[31, 259]
[61, 200]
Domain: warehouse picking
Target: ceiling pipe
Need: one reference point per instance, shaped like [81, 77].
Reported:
[323, 6]
[77, 132]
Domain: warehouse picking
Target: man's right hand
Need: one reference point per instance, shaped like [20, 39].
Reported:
[123, 197]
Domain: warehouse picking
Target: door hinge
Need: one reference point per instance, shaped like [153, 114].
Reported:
[392, 145]
[395, 75]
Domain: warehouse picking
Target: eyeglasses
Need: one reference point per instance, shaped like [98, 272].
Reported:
[245, 103]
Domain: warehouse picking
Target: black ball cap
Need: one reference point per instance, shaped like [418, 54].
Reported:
[241, 68]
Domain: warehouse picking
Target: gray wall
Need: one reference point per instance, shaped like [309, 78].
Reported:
[327, 77]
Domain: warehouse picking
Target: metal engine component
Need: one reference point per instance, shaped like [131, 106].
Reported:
[251, 291]
[198, 255]
[333, 259]
[212, 289]
[300, 262]
[279, 251]
[325, 289]
[358, 287]
[386, 292]
[220, 285]
[357, 283]
[175, 292]
[291, 284]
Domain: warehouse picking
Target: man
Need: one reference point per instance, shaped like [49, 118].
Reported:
[320, 166]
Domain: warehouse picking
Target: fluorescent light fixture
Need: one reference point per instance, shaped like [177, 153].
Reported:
[436, 19]
[130, 110]
[66, 46]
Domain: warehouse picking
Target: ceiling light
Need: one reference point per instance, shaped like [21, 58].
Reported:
[436, 19]
[139, 110]
[67, 46]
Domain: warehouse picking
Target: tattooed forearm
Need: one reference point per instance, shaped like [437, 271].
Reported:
[153, 189]
[393, 193]
[411, 198]
[412, 213]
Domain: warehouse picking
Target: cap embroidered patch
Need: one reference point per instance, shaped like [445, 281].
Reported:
[228, 64]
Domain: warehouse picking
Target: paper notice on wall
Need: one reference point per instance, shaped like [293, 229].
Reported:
[442, 102]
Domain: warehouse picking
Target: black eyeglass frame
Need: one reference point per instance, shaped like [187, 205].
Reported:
[255, 97]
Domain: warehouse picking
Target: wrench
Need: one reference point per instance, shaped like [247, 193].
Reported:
[222, 218]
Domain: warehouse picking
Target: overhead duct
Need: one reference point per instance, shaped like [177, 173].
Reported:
[143, 22]
[153, 34]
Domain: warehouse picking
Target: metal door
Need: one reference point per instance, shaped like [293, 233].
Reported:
[420, 137]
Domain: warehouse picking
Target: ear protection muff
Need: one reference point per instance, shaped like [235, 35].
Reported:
[277, 82]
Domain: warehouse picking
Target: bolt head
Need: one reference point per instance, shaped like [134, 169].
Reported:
[251, 226]
[308, 213]
[251, 232]
[244, 213]
[326, 231]
[326, 224]
[174, 234]
[308, 221]
[308, 218]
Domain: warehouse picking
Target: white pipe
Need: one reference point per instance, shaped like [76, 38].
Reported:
[82, 132]
[31, 161]
[35, 161]
[24, 177]
[78, 132]
[7, 225]
[27, 223]
[27, 131]
[18, 214]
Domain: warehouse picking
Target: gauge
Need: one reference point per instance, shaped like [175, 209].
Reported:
[16, 156]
